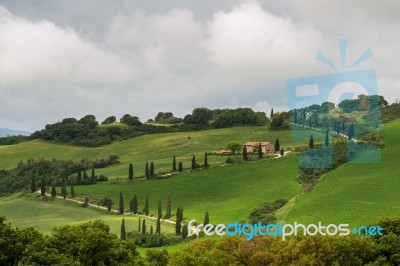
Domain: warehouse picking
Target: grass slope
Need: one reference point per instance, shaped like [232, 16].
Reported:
[157, 147]
[229, 193]
[355, 193]
[45, 215]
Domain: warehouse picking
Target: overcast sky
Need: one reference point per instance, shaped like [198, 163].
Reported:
[75, 57]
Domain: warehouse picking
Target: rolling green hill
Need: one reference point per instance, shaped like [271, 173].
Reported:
[159, 148]
[354, 193]
[45, 215]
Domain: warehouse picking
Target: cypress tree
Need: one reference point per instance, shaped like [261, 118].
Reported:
[123, 231]
[327, 138]
[311, 143]
[146, 206]
[205, 160]
[109, 204]
[152, 170]
[295, 116]
[174, 164]
[63, 190]
[144, 227]
[121, 203]
[184, 231]
[86, 202]
[72, 191]
[151, 230]
[277, 145]
[134, 204]
[168, 209]
[282, 152]
[194, 163]
[93, 175]
[272, 112]
[260, 153]
[147, 172]
[85, 176]
[179, 219]
[53, 192]
[309, 122]
[180, 167]
[158, 226]
[42, 188]
[206, 218]
[159, 212]
[130, 176]
[139, 228]
[244, 153]
[33, 185]
[79, 178]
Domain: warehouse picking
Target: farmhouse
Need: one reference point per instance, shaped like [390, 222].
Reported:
[266, 147]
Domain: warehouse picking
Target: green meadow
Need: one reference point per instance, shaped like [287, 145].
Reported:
[158, 148]
[357, 194]
[44, 215]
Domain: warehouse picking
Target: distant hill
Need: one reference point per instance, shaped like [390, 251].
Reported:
[4, 132]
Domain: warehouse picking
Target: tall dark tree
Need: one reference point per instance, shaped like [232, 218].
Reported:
[121, 203]
[277, 145]
[63, 189]
[139, 226]
[309, 123]
[152, 170]
[179, 219]
[151, 229]
[33, 185]
[168, 209]
[134, 204]
[123, 231]
[351, 132]
[144, 227]
[295, 116]
[180, 167]
[282, 152]
[311, 142]
[72, 191]
[42, 188]
[206, 218]
[109, 204]
[244, 153]
[327, 138]
[205, 160]
[174, 164]
[194, 163]
[272, 113]
[146, 206]
[147, 172]
[85, 176]
[184, 232]
[79, 178]
[259, 150]
[158, 226]
[130, 174]
[159, 211]
[53, 192]
[93, 175]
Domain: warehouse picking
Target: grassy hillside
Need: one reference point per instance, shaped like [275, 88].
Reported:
[229, 193]
[45, 215]
[158, 148]
[355, 193]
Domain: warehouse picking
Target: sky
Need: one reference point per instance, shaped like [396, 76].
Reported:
[71, 58]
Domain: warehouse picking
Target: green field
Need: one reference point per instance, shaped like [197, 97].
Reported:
[354, 193]
[159, 148]
[228, 192]
[45, 215]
